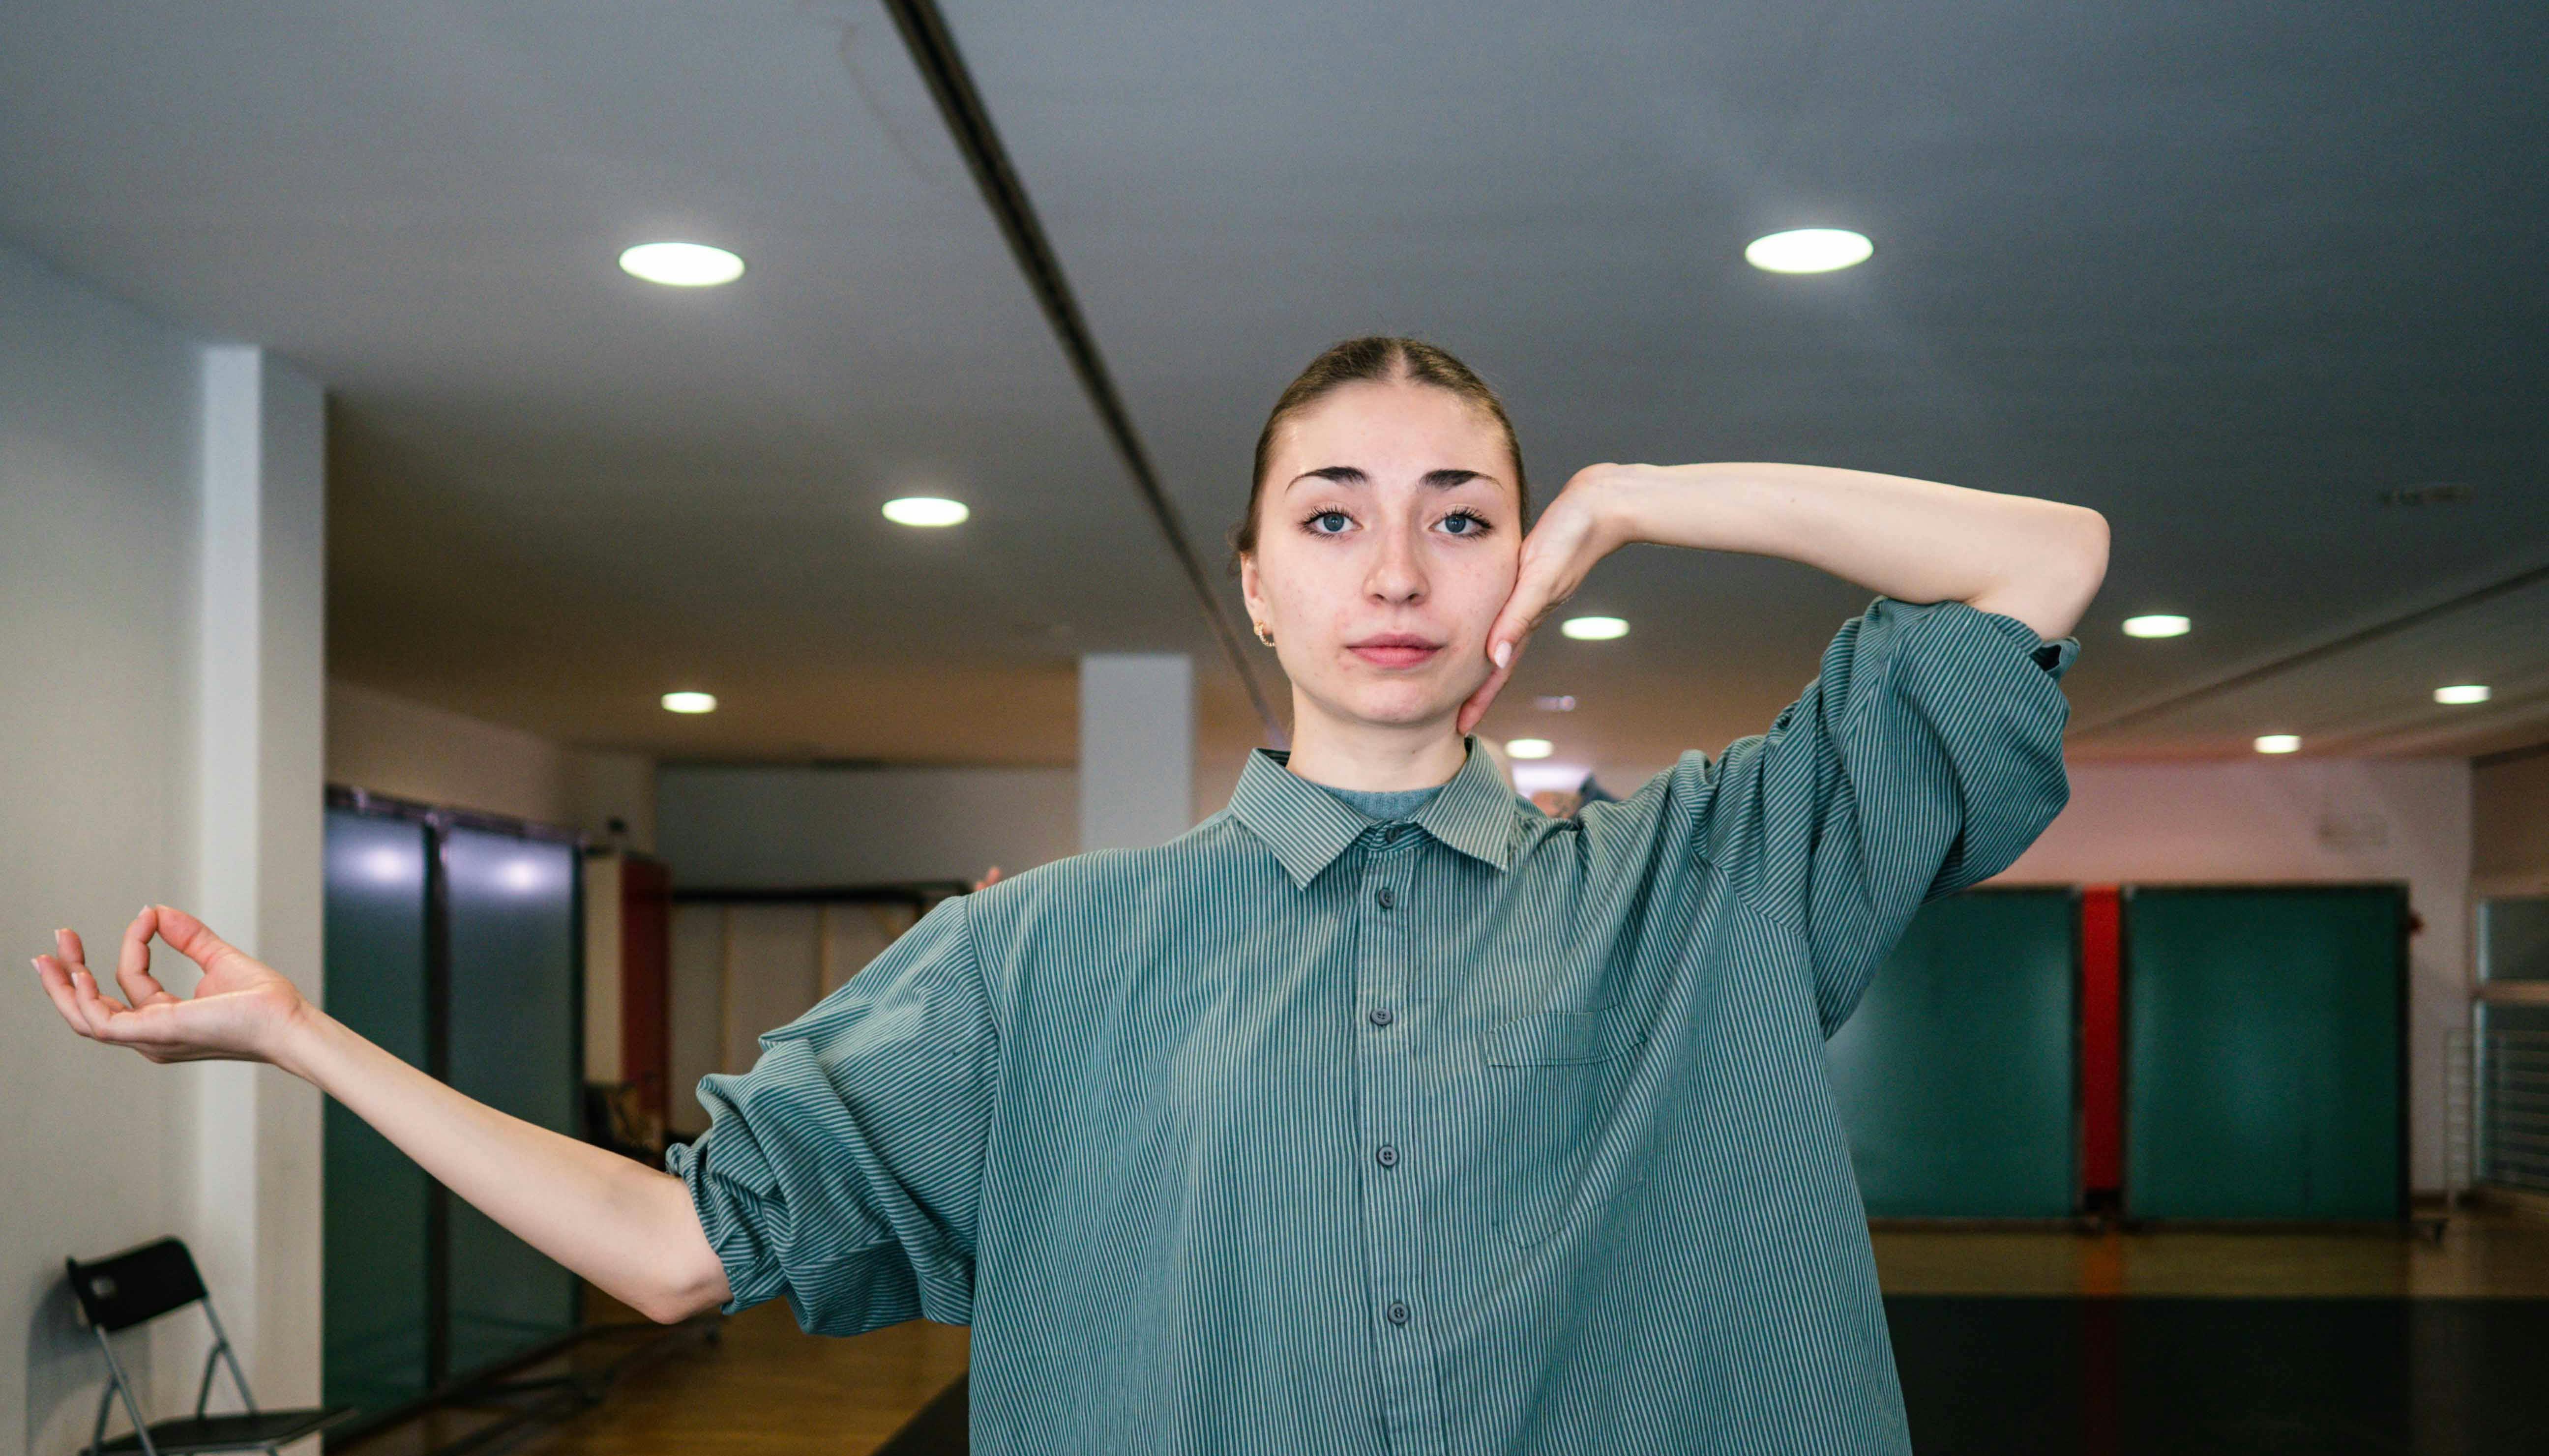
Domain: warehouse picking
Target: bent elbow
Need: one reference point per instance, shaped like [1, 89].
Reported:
[673, 1306]
[2073, 571]
[693, 1291]
[2091, 551]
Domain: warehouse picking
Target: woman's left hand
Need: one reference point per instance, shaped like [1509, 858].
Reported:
[1577, 530]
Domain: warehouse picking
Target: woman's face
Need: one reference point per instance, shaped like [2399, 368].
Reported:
[1387, 543]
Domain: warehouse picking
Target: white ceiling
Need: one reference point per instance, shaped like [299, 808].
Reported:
[2226, 276]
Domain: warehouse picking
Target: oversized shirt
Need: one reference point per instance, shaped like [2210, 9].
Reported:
[1480, 1133]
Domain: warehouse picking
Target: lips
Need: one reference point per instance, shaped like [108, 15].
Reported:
[1395, 650]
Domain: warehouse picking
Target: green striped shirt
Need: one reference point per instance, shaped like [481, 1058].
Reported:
[1480, 1132]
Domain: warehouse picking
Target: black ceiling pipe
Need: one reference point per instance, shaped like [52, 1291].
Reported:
[933, 49]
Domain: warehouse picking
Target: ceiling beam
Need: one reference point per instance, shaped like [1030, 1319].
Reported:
[933, 49]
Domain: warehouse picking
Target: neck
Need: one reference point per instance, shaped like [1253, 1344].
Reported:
[1378, 757]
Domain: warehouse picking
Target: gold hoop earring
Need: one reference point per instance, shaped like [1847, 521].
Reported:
[1265, 634]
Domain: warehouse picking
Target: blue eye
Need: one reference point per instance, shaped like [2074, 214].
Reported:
[1462, 523]
[1329, 522]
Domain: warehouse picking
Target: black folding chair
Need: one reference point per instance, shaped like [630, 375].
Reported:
[141, 1285]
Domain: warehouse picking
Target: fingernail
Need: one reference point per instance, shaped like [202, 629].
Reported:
[1503, 653]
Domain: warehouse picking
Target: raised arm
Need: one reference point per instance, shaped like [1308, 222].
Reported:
[2037, 560]
[629, 1228]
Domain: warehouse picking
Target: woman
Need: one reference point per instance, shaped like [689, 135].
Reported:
[1381, 1111]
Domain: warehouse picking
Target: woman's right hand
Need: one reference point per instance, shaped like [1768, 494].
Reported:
[241, 1011]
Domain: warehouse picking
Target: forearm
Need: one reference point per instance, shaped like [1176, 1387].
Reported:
[2038, 561]
[628, 1227]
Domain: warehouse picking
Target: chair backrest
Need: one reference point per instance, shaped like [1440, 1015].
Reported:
[124, 1290]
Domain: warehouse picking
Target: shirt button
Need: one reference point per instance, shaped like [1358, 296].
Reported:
[1384, 897]
[1380, 1016]
[1397, 1313]
[1386, 1156]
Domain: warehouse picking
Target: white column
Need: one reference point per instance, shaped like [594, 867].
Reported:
[259, 702]
[1136, 749]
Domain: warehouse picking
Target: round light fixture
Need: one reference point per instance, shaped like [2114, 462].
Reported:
[925, 510]
[1529, 747]
[2157, 624]
[689, 702]
[2466, 692]
[1595, 629]
[2280, 743]
[1808, 251]
[682, 264]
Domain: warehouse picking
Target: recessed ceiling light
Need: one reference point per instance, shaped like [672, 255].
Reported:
[2157, 624]
[1808, 251]
[2466, 692]
[2280, 743]
[925, 510]
[689, 702]
[682, 264]
[1555, 702]
[1529, 747]
[1595, 629]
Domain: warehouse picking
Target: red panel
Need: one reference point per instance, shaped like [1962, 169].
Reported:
[646, 981]
[2101, 1082]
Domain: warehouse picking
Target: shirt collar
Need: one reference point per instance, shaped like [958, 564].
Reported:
[1307, 827]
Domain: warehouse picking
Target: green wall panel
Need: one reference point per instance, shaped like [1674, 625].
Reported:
[516, 1045]
[2263, 1053]
[375, 1199]
[1956, 1073]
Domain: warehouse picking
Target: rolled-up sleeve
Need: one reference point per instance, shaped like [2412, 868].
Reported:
[1924, 756]
[844, 1169]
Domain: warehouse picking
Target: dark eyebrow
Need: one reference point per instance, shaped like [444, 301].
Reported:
[1344, 475]
[1347, 475]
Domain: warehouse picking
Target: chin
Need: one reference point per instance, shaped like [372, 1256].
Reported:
[1398, 704]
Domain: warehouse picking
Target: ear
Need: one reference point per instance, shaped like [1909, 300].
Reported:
[1248, 589]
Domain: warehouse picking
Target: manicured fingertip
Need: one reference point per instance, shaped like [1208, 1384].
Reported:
[1502, 656]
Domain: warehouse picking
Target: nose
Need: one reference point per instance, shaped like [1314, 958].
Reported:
[1397, 574]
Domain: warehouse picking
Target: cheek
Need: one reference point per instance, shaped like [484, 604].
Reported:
[1478, 590]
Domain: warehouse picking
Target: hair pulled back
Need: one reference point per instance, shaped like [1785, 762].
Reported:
[1374, 358]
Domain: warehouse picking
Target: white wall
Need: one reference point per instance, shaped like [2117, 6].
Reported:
[411, 750]
[2288, 820]
[773, 828]
[160, 570]
[1137, 741]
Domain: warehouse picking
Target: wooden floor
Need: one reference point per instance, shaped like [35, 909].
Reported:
[768, 1389]
[2481, 1254]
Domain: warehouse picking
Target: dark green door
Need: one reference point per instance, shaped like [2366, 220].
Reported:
[375, 1199]
[1956, 1073]
[516, 1045]
[2264, 1075]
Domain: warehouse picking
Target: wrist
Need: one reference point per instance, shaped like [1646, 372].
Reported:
[1634, 503]
[297, 1044]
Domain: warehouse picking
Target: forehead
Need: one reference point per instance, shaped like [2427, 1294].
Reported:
[1390, 427]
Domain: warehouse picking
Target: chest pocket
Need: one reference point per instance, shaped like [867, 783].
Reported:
[1557, 1078]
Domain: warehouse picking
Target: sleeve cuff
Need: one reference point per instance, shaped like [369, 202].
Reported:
[2055, 656]
[752, 1276]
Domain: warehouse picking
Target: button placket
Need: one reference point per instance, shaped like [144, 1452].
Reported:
[1387, 1098]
